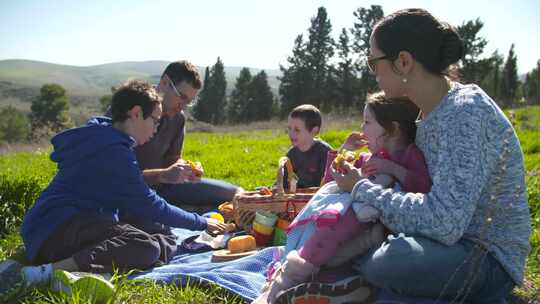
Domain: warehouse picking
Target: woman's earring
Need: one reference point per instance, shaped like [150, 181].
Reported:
[404, 80]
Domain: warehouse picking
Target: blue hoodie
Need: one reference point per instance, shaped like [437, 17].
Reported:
[97, 174]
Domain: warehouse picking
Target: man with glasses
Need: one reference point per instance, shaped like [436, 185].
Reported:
[161, 157]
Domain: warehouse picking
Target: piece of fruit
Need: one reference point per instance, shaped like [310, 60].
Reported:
[342, 157]
[196, 167]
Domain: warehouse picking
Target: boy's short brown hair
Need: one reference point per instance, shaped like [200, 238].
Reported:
[134, 93]
[309, 114]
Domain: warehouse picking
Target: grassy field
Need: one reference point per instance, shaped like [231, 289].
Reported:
[246, 158]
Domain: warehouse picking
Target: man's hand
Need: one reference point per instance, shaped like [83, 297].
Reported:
[215, 227]
[347, 178]
[177, 173]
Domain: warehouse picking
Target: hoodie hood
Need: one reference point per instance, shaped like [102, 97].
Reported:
[76, 144]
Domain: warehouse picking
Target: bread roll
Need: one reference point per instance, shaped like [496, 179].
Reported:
[241, 244]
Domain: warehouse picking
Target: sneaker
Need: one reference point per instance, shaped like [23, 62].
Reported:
[353, 290]
[88, 285]
[11, 279]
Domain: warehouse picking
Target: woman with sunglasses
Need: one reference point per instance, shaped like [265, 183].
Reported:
[468, 238]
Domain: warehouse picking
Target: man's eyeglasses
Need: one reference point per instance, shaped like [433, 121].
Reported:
[182, 96]
[372, 62]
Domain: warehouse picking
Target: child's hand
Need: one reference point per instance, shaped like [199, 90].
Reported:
[347, 178]
[354, 141]
[377, 165]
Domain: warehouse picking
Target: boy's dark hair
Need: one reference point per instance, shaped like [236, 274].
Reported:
[388, 110]
[133, 93]
[183, 70]
[436, 45]
[309, 114]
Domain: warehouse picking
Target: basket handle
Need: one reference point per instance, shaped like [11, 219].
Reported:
[281, 175]
[285, 163]
[290, 207]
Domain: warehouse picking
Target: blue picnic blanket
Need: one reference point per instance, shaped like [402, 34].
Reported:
[243, 277]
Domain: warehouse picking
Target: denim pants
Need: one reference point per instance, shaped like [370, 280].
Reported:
[423, 268]
[201, 197]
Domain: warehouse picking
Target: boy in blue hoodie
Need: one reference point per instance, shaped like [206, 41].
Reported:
[74, 224]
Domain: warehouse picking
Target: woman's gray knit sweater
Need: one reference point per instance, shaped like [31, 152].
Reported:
[476, 165]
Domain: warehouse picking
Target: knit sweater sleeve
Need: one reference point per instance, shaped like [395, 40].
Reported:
[445, 212]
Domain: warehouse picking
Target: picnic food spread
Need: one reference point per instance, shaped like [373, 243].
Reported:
[261, 216]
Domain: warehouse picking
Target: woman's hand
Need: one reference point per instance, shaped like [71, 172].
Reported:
[354, 141]
[348, 178]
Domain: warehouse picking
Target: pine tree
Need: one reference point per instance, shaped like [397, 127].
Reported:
[531, 87]
[319, 51]
[295, 79]
[345, 76]
[237, 110]
[218, 98]
[309, 73]
[471, 69]
[261, 102]
[361, 30]
[211, 104]
[509, 82]
[201, 110]
[491, 82]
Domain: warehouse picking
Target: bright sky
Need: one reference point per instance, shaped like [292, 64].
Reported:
[242, 32]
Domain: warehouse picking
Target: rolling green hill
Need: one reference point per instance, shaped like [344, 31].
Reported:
[21, 79]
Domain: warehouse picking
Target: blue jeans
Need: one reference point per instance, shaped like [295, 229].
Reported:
[423, 268]
[202, 196]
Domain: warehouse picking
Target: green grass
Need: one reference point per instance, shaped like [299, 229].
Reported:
[246, 158]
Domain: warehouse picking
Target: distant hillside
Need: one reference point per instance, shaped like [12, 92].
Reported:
[21, 79]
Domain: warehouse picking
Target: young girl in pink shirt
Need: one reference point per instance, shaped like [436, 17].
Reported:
[319, 234]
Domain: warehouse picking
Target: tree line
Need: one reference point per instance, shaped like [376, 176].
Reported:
[332, 74]
[329, 73]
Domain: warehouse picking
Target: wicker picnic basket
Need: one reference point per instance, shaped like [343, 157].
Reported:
[246, 203]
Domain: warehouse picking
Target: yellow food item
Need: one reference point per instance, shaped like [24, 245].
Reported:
[241, 243]
[218, 217]
[195, 167]
[342, 157]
